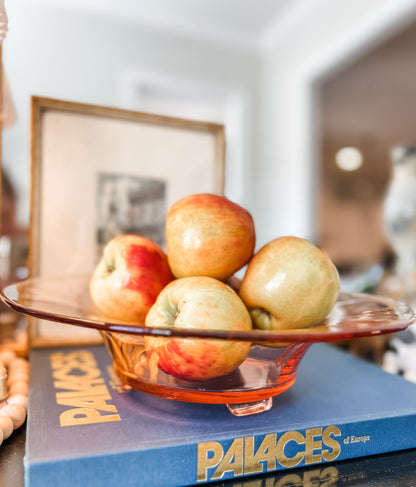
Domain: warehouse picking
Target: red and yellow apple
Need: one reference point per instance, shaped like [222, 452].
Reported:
[208, 235]
[130, 275]
[201, 303]
[289, 283]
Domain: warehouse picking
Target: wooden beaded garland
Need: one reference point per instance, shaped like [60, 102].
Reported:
[14, 385]
[6, 425]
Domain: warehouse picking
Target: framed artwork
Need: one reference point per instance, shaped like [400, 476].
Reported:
[97, 172]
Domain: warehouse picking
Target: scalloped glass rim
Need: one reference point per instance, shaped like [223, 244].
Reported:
[66, 299]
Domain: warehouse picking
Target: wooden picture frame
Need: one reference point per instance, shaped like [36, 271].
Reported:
[99, 171]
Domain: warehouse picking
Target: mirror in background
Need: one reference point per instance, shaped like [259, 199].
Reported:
[369, 108]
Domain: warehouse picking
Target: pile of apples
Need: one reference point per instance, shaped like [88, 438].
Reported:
[289, 283]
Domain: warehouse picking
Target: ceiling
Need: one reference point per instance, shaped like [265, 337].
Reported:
[247, 23]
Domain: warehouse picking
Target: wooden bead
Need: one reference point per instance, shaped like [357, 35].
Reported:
[18, 375]
[18, 364]
[6, 356]
[16, 413]
[3, 387]
[14, 388]
[18, 399]
[19, 387]
[6, 426]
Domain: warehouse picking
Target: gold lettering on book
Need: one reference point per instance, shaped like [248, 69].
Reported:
[83, 389]
[289, 450]
[313, 445]
[266, 452]
[232, 461]
[327, 437]
[283, 458]
[209, 456]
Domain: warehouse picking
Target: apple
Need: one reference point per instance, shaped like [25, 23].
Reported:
[202, 303]
[289, 283]
[130, 275]
[208, 235]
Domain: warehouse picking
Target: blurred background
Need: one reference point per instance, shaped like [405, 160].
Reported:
[318, 99]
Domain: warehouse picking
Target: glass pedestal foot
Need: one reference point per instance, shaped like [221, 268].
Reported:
[245, 409]
[125, 387]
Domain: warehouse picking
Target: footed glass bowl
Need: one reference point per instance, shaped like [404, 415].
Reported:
[269, 370]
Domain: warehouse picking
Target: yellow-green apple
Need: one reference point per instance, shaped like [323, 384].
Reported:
[289, 283]
[208, 235]
[130, 275]
[202, 303]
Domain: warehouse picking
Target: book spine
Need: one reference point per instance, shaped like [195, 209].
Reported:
[260, 454]
[234, 458]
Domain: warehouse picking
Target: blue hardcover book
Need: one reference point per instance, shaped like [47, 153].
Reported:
[83, 430]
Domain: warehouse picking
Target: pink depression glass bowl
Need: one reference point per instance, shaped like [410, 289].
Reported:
[269, 370]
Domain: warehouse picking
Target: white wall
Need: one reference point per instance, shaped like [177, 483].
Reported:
[63, 55]
[60, 54]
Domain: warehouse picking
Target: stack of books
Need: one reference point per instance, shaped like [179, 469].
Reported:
[83, 429]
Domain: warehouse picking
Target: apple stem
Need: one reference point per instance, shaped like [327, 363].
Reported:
[261, 318]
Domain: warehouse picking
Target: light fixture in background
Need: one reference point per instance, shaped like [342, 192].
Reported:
[349, 159]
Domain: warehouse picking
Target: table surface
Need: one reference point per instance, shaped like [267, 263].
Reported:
[387, 470]
[11, 459]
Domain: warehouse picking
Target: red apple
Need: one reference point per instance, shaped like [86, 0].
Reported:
[132, 272]
[208, 235]
[203, 303]
[289, 283]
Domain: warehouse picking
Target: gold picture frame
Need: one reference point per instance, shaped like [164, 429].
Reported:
[88, 164]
